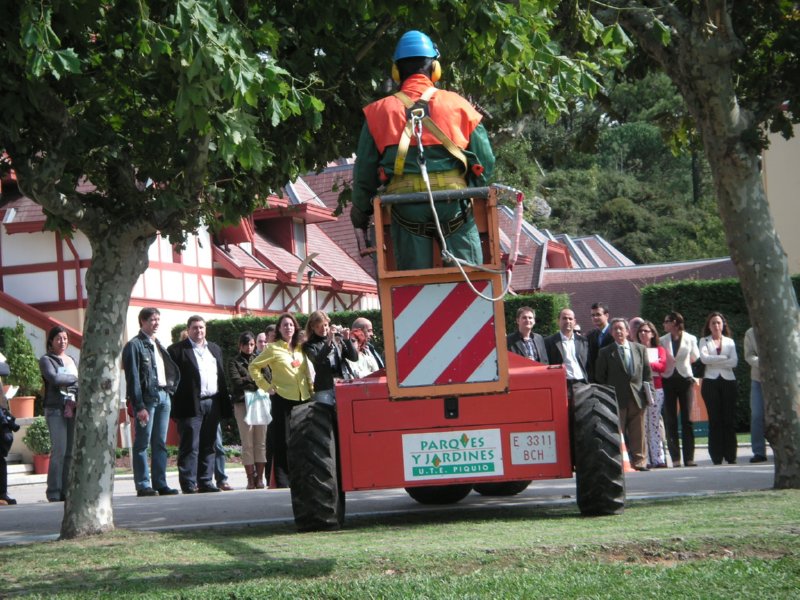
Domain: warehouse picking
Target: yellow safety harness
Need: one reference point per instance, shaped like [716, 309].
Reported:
[418, 114]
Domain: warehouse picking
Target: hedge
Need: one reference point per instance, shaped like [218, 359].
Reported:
[695, 300]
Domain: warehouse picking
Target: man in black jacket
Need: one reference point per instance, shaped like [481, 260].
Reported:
[150, 377]
[523, 341]
[600, 336]
[8, 426]
[198, 404]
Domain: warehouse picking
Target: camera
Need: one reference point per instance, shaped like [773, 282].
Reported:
[7, 421]
[337, 330]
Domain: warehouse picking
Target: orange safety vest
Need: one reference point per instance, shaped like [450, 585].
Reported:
[454, 116]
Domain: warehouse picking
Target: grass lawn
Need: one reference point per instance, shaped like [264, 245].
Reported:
[744, 545]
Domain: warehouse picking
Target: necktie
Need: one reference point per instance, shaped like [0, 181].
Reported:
[531, 349]
[626, 359]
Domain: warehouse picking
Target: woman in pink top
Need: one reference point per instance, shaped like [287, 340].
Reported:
[648, 337]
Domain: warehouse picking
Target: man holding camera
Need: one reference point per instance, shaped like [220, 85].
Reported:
[8, 426]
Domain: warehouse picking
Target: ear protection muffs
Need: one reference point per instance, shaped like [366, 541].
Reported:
[436, 72]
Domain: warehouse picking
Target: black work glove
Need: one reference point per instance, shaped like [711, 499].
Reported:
[358, 218]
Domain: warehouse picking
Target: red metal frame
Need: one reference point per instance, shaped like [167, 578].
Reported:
[372, 428]
[512, 427]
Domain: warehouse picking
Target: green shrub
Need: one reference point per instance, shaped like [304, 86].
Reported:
[22, 362]
[37, 436]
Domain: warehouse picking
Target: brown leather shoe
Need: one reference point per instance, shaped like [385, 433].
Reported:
[225, 486]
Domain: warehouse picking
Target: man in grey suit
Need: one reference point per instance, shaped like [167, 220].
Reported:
[624, 365]
[523, 341]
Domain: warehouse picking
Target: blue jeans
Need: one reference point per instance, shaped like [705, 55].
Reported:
[757, 440]
[62, 434]
[153, 434]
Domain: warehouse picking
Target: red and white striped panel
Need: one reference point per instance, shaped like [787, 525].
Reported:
[444, 333]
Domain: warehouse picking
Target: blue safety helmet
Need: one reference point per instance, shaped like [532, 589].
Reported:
[415, 43]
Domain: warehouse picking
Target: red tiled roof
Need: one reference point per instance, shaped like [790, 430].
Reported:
[275, 257]
[28, 216]
[328, 185]
[241, 264]
[333, 261]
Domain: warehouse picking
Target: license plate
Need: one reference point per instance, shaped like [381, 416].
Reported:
[533, 447]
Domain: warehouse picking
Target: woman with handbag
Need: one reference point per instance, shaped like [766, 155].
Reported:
[60, 374]
[327, 348]
[252, 434]
[682, 351]
[290, 386]
[718, 354]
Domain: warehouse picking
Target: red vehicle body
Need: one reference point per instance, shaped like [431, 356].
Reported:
[453, 411]
[527, 426]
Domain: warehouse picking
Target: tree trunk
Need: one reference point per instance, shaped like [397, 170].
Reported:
[119, 257]
[764, 275]
[700, 61]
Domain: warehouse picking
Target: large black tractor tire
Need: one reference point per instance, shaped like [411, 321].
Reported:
[439, 494]
[503, 488]
[599, 471]
[317, 497]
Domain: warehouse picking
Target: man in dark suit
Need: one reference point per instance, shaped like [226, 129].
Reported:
[600, 336]
[624, 365]
[569, 348]
[197, 405]
[524, 342]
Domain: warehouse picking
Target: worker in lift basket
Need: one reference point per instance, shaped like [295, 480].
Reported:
[456, 153]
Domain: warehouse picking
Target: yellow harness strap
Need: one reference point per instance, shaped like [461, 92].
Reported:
[408, 132]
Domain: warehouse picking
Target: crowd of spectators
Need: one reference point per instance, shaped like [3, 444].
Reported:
[654, 378]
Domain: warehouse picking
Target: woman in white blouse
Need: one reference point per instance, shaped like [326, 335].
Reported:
[678, 383]
[718, 354]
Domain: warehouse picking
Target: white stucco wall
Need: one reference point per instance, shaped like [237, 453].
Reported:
[782, 181]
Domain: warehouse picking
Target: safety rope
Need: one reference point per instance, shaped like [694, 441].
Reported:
[447, 256]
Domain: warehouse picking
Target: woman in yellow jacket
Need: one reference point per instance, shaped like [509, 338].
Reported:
[289, 387]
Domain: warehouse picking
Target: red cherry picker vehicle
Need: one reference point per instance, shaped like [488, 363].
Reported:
[453, 411]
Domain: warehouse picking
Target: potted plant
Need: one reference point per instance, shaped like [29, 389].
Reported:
[37, 439]
[24, 367]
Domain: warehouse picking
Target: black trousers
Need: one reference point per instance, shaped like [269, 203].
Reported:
[278, 440]
[198, 435]
[719, 396]
[679, 390]
[3, 475]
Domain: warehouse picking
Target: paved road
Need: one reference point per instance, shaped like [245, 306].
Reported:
[34, 519]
